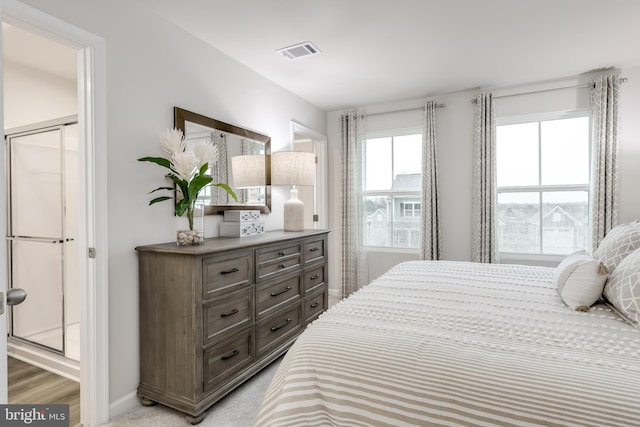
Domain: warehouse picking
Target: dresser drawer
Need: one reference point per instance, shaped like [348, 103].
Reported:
[275, 260]
[224, 273]
[270, 295]
[313, 278]
[277, 328]
[227, 358]
[314, 304]
[315, 250]
[231, 312]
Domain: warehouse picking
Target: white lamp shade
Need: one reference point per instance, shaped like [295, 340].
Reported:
[248, 171]
[293, 168]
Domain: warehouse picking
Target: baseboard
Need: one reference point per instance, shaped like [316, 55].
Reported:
[43, 359]
[124, 404]
[335, 293]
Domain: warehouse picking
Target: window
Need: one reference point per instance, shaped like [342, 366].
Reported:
[391, 195]
[543, 185]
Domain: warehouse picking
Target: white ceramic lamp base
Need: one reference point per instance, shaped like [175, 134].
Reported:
[294, 213]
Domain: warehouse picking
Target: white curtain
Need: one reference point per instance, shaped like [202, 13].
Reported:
[353, 275]
[484, 210]
[604, 97]
[430, 209]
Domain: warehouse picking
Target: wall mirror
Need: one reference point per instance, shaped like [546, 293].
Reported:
[237, 147]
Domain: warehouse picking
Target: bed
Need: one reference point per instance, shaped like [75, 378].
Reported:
[433, 343]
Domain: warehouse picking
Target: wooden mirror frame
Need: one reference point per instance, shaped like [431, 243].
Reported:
[180, 116]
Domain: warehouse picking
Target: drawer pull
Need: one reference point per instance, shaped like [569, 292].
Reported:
[231, 313]
[230, 355]
[315, 276]
[285, 323]
[232, 270]
[287, 289]
[315, 304]
[314, 249]
[281, 253]
[281, 266]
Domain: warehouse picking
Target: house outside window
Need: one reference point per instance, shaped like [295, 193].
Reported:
[391, 183]
[543, 167]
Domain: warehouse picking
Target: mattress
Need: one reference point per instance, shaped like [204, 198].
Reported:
[438, 343]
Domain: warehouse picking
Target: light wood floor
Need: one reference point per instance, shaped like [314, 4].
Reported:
[30, 384]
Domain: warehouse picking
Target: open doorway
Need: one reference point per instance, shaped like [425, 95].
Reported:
[307, 140]
[92, 216]
[40, 104]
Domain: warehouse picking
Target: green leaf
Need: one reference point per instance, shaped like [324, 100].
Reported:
[160, 199]
[181, 183]
[227, 189]
[157, 160]
[197, 184]
[204, 168]
[181, 207]
[162, 188]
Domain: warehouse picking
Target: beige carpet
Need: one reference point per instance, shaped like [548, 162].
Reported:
[238, 409]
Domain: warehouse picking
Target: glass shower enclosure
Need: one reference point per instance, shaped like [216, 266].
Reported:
[42, 226]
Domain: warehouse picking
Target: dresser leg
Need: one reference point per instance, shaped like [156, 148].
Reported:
[196, 420]
[146, 402]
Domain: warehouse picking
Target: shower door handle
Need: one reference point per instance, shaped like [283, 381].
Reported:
[16, 296]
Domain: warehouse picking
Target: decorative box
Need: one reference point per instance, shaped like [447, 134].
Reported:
[241, 229]
[241, 215]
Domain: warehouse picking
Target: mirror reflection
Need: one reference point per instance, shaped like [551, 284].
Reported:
[242, 162]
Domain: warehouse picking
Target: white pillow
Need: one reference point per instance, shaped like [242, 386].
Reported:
[623, 288]
[580, 280]
[619, 242]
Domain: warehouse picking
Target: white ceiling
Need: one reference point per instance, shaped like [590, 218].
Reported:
[377, 51]
[388, 50]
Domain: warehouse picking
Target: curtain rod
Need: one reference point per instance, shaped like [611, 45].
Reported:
[398, 111]
[475, 100]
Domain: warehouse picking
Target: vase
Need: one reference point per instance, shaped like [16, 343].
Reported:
[190, 229]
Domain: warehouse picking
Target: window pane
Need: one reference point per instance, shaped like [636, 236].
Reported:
[565, 151]
[391, 221]
[565, 221]
[377, 164]
[377, 222]
[407, 162]
[517, 154]
[519, 222]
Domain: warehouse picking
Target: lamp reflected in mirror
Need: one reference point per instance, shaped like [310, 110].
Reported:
[293, 168]
[249, 173]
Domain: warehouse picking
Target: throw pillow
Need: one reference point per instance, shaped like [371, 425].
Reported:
[617, 244]
[580, 279]
[623, 288]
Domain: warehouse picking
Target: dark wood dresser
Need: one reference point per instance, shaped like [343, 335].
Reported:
[212, 316]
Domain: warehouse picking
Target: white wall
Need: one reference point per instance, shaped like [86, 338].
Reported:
[455, 139]
[31, 96]
[153, 66]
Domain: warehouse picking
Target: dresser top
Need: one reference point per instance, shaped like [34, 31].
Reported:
[221, 244]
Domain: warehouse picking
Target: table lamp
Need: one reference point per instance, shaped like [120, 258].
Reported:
[249, 172]
[293, 168]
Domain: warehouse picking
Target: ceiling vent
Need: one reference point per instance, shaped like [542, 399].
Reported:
[299, 50]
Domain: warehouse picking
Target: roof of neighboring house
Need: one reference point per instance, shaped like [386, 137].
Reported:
[407, 181]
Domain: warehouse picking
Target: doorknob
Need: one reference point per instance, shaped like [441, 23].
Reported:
[16, 296]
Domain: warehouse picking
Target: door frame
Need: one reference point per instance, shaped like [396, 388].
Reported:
[94, 323]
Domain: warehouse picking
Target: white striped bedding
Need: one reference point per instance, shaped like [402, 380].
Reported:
[437, 343]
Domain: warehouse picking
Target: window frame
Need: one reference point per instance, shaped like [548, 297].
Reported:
[386, 193]
[541, 189]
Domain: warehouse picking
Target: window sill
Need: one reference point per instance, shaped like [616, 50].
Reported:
[390, 249]
[531, 259]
